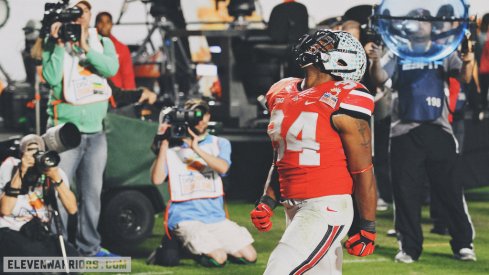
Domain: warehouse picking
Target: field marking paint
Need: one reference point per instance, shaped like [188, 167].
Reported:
[445, 244]
[365, 260]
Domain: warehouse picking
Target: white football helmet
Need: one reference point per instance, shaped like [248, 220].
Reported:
[334, 52]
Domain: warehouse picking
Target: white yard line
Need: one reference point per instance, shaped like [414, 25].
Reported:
[366, 260]
[445, 244]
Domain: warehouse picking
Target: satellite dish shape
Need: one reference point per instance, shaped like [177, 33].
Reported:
[4, 12]
[420, 30]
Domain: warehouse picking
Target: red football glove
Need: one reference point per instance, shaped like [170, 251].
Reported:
[261, 217]
[361, 244]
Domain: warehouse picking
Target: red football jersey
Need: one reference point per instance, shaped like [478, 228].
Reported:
[311, 161]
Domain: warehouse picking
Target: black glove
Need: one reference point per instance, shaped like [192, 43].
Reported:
[159, 138]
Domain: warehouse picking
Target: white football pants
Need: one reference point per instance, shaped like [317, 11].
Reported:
[311, 243]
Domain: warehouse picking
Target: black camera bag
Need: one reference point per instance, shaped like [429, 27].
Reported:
[35, 230]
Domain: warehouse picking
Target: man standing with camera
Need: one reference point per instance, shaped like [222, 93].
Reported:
[422, 139]
[196, 213]
[77, 72]
[26, 202]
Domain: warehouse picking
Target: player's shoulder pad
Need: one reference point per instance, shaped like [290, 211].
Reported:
[359, 102]
[279, 86]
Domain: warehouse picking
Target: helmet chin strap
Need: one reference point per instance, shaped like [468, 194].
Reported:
[341, 71]
[306, 65]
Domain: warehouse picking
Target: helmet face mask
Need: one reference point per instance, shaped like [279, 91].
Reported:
[333, 52]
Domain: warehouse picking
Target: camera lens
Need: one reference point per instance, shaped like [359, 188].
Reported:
[179, 131]
[47, 159]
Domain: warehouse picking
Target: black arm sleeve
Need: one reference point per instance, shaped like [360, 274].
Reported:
[125, 97]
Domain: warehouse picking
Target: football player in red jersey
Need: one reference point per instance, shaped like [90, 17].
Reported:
[321, 138]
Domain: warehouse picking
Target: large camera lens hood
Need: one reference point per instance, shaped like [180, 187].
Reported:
[62, 137]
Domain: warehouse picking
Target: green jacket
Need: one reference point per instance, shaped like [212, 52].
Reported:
[88, 118]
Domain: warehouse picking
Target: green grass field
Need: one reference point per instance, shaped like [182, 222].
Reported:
[436, 257]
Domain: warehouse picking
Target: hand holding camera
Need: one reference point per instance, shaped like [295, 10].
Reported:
[27, 161]
[193, 141]
[374, 51]
[53, 174]
[175, 127]
[55, 33]
[35, 162]
[161, 137]
[57, 22]
[40, 155]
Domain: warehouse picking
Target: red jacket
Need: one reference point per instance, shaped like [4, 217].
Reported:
[454, 88]
[124, 78]
[484, 66]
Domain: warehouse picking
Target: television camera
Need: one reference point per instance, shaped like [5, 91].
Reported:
[60, 12]
[181, 120]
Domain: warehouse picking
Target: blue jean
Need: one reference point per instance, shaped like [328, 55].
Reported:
[84, 167]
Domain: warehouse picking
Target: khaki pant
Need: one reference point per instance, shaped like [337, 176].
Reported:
[201, 238]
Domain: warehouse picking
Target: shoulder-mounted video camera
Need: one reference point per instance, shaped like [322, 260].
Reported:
[60, 12]
[180, 120]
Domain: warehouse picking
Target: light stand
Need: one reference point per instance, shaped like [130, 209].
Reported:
[7, 79]
[37, 98]
[163, 26]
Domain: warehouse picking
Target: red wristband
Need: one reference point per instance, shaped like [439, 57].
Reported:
[363, 170]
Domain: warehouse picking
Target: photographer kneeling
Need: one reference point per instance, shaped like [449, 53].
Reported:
[196, 213]
[27, 201]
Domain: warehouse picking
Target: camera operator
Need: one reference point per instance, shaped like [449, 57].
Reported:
[26, 203]
[422, 140]
[77, 72]
[196, 213]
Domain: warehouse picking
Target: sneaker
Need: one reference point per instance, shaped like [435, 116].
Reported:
[391, 233]
[105, 253]
[465, 254]
[208, 261]
[402, 257]
[382, 205]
